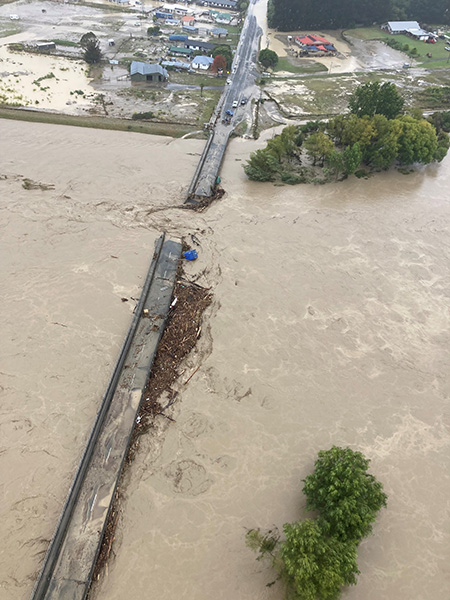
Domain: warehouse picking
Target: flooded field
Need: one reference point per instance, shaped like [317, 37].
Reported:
[329, 326]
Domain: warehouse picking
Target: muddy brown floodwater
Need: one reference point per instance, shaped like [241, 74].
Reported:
[329, 325]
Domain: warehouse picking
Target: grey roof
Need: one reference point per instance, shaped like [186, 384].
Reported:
[403, 25]
[199, 44]
[224, 3]
[203, 60]
[219, 31]
[146, 69]
[176, 64]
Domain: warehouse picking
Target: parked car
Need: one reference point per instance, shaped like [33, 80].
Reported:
[14, 17]
[228, 81]
[406, 65]
[235, 104]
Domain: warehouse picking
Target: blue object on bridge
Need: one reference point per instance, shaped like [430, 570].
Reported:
[229, 112]
[190, 254]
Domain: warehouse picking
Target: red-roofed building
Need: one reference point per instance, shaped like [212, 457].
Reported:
[188, 20]
[314, 44]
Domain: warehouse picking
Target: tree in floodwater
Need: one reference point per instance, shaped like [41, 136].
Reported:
[347, 497]
[319, 146]
[91, 46]
[318, 557]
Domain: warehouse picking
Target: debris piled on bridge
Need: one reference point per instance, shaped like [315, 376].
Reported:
[183, 329]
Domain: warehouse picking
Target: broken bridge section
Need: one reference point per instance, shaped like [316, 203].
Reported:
[73, 551]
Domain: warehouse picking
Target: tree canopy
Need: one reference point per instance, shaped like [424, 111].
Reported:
[372, 98]
[287, 15]
[318, 557]
[316, 566]
[268, 58]
[91, 46]
[224, 51]
[219, 63]
[347, 497]
[374, 134]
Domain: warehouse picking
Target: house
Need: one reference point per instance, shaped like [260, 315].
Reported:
[315, 44]
[180, 51]
[140, 72]
[175, 64]
[177, 37]
[190, 29]
[202, 63]
[411, 28]
[198, 45]
[228, 4]
[159, 14]
[177, 9]
[219, 32]
[220, 17]
[188, 20]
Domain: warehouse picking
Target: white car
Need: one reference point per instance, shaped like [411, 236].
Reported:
[235, 104]
[14, 17]
[228, 81]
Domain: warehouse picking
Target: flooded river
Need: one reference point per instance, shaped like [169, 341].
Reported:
[329, 326]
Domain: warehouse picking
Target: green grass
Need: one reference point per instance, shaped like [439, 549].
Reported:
[209, 101]
[169, 129]
[196, 79]
[65, 43]
[8, 32]
[437, 50]
[284, 64]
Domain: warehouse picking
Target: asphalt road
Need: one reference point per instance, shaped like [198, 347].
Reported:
[242, 78]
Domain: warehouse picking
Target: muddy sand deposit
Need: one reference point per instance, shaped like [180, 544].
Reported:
[329, 325]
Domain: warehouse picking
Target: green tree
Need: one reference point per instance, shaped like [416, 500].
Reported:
[91, 46]
[319, 145]
[314, 566]
[417, 142]
[268, 58]
[357, 130]
[347, 497]
[262, 166]
[352, 158]
[335, 162]
[372, 98]
[154, 30]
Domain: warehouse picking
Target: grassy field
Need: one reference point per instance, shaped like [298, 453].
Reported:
[285, 64]
[196, 79]
[169, 129]
[440, 54]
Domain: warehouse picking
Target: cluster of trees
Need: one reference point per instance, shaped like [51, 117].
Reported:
[224, 51]
[374, 134]
[319, 556]
[287, 15]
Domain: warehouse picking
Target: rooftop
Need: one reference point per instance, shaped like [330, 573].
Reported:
[146, 69]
